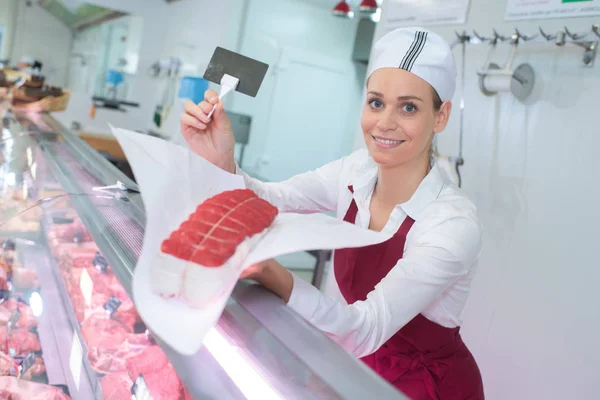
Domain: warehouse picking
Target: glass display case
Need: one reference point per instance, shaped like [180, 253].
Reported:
[70, 239]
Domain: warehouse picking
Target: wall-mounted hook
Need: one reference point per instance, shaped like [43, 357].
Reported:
[515, 38]
[548, 37]
[591, 48]
[481, 38]
[463, 37]
[574, 36]
[524, 37]
[499, 37]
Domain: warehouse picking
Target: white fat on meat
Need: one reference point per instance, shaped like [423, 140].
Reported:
[197, 285]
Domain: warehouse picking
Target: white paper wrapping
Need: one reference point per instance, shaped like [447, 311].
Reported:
[173, 182]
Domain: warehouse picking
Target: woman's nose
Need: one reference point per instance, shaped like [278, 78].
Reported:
[387, 122]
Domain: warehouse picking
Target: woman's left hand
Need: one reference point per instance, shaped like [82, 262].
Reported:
[255, 271]
[271, 275]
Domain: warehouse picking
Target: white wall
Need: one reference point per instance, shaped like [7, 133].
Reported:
[532, 319]
[300, 26]
[167, 29]
[39, 35]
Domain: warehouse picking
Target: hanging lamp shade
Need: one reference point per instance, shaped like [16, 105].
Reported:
[342, 9]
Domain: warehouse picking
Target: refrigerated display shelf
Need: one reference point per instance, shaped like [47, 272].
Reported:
[92, 377]
[57, 328]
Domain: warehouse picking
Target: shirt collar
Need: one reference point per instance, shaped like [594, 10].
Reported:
[428, 190]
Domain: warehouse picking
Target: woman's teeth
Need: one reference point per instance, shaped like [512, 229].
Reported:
[387, 141]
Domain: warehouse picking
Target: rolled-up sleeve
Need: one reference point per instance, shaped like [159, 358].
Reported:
[440, 256]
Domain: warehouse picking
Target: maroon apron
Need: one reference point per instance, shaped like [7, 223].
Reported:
[424, 360]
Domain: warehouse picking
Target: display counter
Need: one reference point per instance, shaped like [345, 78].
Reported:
[69, 249]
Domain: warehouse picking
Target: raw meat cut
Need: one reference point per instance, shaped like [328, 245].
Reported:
[63, 250]
[116, 386]
[149, 360]
[198, 257]
[158, 373]
[37, 369]
[25, 278]
[8, 366]
[105, 361]
[78, 256]
[69, 232]
[210, 235]
[19, 340]
[5, 315]
[12, 388]
[3, 276]
[100, 331]
[164, 384]
[26, 320]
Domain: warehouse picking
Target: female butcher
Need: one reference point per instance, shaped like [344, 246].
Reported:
[395, 305]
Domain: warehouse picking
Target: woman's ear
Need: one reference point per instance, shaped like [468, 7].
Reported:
[442, 117]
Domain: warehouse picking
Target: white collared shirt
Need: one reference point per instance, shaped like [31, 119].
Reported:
[434, 276]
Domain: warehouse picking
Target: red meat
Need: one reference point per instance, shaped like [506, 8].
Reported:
[150, 360]
[116, 386]
[37, 369]
[12, 388]
[105, 361]
[26, 320]
[102, 332]
[68, 232]
[8, 366]
[211, 234]
[20, 340]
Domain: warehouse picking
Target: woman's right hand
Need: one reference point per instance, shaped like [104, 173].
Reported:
[211, 139]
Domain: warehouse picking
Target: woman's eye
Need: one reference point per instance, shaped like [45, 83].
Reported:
[409, 108]
[376, 103]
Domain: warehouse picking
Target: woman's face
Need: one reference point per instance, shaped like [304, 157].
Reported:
[399, 119]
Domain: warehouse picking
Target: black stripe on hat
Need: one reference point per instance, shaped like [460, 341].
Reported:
[410, 50]
[414, 51]
[411, 63]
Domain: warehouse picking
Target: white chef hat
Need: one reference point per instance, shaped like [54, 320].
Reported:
[421, 52]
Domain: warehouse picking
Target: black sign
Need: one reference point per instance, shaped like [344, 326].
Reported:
[79, 236]
[62, 220]
[100, 262]
[111, 305]
[26, 362]
[139, 389]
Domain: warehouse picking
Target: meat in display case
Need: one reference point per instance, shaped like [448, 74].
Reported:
[71, 230]
[68, 326]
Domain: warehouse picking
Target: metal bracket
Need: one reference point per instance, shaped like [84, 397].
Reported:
[590, 47]
[589, 56]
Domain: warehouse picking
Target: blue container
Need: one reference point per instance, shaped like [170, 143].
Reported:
[114, 77]
[193, 88]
